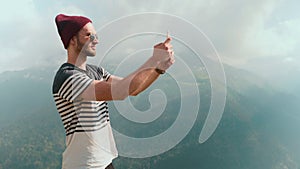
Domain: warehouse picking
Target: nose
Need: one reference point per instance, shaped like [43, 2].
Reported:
[95, 41]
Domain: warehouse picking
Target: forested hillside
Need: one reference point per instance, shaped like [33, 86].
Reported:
[258, 129]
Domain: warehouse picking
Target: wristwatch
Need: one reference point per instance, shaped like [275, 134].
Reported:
[159, 71]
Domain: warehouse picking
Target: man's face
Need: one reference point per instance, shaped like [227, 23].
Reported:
[86, 41]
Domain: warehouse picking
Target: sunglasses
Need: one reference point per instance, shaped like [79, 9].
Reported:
[93, 37]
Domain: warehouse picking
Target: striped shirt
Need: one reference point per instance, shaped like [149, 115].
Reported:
[86, 123]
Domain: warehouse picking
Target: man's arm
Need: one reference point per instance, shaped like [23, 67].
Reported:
[137, 81]
[117, 88]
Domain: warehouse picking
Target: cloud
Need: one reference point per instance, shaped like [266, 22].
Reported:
[281, 39]
[14, 37]
[241, 31]
[238, 29]
[29, 37]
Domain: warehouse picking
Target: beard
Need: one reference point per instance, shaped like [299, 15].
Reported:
[84, 48]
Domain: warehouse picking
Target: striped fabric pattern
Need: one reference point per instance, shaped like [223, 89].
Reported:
[79, 115]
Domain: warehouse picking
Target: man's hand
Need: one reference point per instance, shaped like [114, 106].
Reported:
[163, 54]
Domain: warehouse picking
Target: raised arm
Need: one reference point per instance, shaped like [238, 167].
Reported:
[117, 88]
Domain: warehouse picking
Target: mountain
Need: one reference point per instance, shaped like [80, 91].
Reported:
[23, 92]
[31, 135]
[259, 127]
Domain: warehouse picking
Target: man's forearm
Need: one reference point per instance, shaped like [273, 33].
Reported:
[140, 79]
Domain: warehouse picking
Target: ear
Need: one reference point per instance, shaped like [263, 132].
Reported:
[73, 41]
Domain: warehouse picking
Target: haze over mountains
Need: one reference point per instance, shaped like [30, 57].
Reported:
[259, 127]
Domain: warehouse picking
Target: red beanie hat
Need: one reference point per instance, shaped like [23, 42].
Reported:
[68, 26]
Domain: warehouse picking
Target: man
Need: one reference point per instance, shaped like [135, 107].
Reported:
[81, 90]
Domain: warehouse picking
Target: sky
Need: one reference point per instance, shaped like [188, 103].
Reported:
[261, 36]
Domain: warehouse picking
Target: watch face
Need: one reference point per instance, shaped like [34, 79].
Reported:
[160, 71]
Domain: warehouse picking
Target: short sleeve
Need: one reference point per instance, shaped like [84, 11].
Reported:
[74, 86]
[106, 74]
[71, 85]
